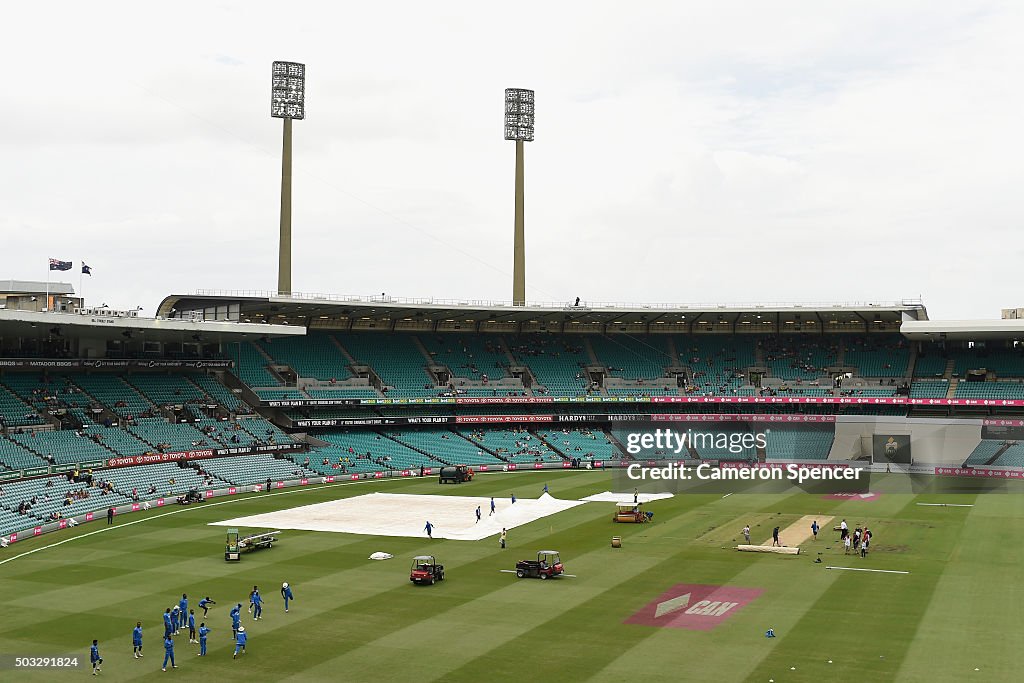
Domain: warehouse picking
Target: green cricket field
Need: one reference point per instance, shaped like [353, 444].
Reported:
[675, 602]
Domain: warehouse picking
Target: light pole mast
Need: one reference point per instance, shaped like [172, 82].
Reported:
[287, 101]
[519, 127]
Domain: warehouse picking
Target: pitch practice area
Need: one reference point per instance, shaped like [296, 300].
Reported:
[675, 602]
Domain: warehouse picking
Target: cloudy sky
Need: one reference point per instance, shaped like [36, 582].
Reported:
[685, 151]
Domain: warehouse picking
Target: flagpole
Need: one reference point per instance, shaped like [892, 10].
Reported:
[81, 294]
[46, 302]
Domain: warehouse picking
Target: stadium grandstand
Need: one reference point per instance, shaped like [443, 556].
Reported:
[222, 391]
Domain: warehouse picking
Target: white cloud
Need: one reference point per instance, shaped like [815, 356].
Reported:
[685, 151]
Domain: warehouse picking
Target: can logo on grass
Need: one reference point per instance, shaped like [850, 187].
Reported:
[695, 607]
[847, 495]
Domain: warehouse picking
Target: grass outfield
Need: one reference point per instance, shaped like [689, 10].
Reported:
[359, 620]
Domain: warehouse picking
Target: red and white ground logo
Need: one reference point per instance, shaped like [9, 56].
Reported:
[694, 606]
[864, 497]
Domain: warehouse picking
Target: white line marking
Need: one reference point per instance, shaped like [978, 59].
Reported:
[508, 571]
[949, 505]
[197, 507]
[861, 569]
[727, 495]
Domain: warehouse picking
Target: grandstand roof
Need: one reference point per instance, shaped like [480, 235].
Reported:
[310, 308]
[971, 330]
[29, 324]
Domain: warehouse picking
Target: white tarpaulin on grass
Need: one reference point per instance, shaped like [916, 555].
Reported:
[609, 497]
[395, 514]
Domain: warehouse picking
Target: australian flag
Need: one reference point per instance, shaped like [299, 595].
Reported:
[60, 265]
[86, 270]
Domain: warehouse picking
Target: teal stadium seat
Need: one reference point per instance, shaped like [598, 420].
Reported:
[557, 362]
[395, 358]
[314, 356]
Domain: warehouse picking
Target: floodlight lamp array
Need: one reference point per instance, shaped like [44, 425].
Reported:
[518, 114]
[288, 90]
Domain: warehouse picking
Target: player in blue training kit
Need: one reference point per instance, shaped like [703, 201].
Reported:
[169, 653]
[240, 639]
[94, 657]
[137, 640]
[257, 605]
[286, 593]
[192, 626]
[205, 604]
[168, 628]
[183, 611]
[203, 632]
[175, 618]
[236, 619]
[252, 593]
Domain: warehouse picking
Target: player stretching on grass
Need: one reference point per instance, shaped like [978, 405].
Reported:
[286, 593]
[205, 604]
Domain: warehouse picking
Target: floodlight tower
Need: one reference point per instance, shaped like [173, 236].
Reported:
[287, 101]
[519, 127]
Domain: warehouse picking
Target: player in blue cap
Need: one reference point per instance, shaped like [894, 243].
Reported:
[236, 619]
[168, 627]
[183, 611]
[94, 657]
[257, 605]
[169, 653]
[137, 640]
[203, 632]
